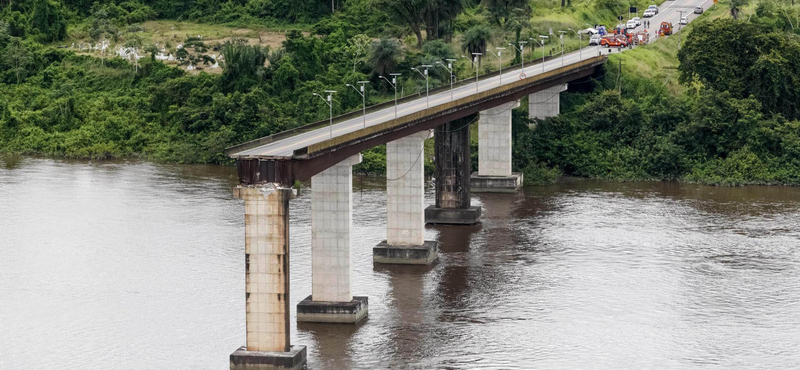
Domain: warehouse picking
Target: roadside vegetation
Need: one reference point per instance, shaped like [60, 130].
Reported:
[61, 94]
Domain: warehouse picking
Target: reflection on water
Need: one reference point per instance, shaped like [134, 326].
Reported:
[140, 266]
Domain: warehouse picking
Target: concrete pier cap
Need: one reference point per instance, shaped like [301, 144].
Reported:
[331, 299]
[266, 209]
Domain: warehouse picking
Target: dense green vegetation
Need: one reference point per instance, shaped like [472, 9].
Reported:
[724, 110]
[734, 119]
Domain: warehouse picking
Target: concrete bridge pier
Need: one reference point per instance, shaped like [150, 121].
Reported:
[331, 298]
[266, 210]
[545, 103]
[452, 156]
[405, 187]
[494, 152]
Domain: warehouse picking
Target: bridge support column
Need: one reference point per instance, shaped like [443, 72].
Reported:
[331, 299]
[545, 103]
[494, 152]
[405, 187]
[266, 210]
[452, 176]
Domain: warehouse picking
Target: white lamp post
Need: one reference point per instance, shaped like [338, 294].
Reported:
[499, 56]
[427, 80]
[449, 68]
[393, 82]
[328, 101]
[363, 99]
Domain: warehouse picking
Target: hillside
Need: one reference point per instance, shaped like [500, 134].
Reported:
[211, 74]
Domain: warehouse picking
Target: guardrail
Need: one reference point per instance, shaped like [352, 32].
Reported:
[370, 109]
[454, 105]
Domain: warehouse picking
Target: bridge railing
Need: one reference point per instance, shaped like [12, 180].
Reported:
[370, 109]
[449, 107]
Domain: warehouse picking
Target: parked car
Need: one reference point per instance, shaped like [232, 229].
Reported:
[595, 39]
[698, 10]
[631, 24]
[653, 7]
[649, 13]
[637, 20]
[684, 20]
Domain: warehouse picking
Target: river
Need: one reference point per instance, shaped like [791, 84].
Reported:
[131, 265]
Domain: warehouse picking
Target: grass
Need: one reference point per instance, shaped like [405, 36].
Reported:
[658, 61]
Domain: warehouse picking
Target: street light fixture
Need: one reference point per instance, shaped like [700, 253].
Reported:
[475, 63]
[393, 82]
[427, 80]
[580, 44]
[449, 68]
[328, 101]
[499, 56]
[521, 50]
[562, 45]
[363, 99]
[543, 37]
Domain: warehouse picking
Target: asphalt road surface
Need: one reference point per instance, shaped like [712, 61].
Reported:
[668, 12]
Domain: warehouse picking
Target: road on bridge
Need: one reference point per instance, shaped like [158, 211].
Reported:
[668, 12]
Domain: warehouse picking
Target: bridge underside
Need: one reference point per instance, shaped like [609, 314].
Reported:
[311, 160]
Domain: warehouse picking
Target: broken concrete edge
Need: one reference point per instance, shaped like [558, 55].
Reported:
[293, 359]
[351, 312]
[264, 189]
[423, 254]
[453, 216]
[496, 184]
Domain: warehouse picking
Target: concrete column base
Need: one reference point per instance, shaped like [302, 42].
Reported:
[423, 254]
[332, 312]
[453, 216]
[243, 359]
[495, 184]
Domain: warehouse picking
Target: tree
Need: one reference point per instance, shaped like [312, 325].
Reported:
[47, 19]
[439, 12]
[243, 66]
[475, 39]
[500, 10]
[736, 6]
[410, 12]
[17, 58]
[519, 20]
[358, 46]
[101, 26]
[385, 55]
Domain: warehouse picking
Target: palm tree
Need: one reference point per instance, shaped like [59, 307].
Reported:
[384, 56]
[475, 39]
[736, 6]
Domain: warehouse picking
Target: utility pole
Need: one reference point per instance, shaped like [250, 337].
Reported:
[619, 79]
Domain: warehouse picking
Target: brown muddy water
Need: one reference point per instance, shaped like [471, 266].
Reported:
[127, 265]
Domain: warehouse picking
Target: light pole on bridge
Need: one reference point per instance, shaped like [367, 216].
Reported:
[521, 50]
[561, 37]
[393, 82]
[449, 68]
[427, 84]
[499, 56]
[541, 42]
[580, 44]
[363, 99]
[328, 101]
[475, 63]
